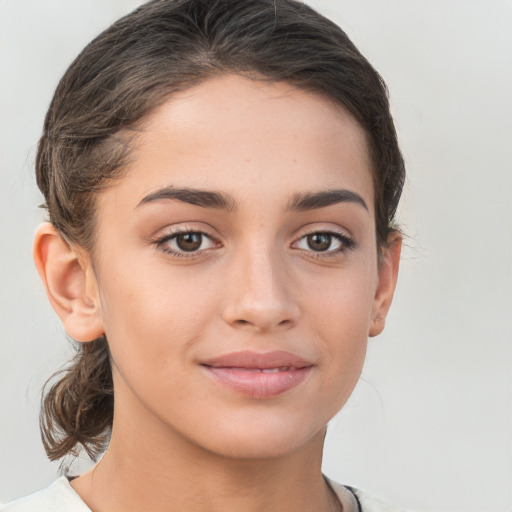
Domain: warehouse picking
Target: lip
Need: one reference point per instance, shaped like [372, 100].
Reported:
[258, 375]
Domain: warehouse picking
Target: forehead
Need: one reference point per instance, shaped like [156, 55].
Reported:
[249, 138]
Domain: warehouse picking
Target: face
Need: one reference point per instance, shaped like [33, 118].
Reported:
[235, 268]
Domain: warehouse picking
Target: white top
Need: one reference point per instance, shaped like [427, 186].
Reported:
[61, 497]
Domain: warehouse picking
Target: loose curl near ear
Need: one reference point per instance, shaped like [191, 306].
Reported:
[76, 411]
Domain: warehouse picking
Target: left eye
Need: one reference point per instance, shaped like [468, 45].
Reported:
[323, 242]
[186, 242]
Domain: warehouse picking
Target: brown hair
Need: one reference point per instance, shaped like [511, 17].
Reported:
[129, 70]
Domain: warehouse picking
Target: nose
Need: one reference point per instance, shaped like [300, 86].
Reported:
[260, 294]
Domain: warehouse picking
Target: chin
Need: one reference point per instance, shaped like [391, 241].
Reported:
[260, 441]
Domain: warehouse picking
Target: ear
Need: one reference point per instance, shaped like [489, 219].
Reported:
[387, 275]
[70, 283]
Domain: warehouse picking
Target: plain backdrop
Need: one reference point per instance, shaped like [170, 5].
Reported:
[429, 425]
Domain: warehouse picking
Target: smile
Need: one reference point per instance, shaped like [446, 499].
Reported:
[260, 376]
[268, 370]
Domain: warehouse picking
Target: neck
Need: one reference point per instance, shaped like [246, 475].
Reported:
[163, 472]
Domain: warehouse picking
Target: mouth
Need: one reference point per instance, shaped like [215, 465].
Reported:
[258, 375]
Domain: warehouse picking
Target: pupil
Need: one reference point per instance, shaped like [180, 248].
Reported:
[319, 241]
[189, 241]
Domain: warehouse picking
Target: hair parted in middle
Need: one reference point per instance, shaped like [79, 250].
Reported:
[125, 74]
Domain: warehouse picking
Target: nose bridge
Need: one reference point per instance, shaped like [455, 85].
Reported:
[259, 291]
[262, 276]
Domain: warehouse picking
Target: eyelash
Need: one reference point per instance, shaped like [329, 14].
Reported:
[346, 244]
[162, 243]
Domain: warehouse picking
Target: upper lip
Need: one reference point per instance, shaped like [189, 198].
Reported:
[263, 360]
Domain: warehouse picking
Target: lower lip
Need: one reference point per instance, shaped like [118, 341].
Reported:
[258, 384]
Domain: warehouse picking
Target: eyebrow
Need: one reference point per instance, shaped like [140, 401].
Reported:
[220, 201]
[203, 198]
[314, 200]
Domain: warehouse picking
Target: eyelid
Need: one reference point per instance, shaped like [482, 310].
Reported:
[347, 240]
[170, 233]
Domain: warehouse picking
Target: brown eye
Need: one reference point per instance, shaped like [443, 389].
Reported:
[189, 242]
[325, 243]
[319, 241]
[186, 243]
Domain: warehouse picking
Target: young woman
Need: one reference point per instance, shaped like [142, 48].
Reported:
[221, 179]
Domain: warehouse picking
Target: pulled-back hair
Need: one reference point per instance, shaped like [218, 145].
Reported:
[128, 71]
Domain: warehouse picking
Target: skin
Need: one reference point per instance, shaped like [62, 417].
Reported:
[255, 283]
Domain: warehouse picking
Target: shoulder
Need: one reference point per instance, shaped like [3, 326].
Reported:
[359, 501]
[373, 504]
[57, 497]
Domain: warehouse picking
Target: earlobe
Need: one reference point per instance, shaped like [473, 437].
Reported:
[70, 284]
[387, 274]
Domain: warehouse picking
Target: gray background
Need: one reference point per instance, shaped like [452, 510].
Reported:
[429, 424]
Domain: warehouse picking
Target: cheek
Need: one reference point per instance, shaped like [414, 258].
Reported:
[346, 299]
[341, 317]
[152, 309]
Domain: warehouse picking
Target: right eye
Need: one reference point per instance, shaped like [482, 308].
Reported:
[185, 243]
